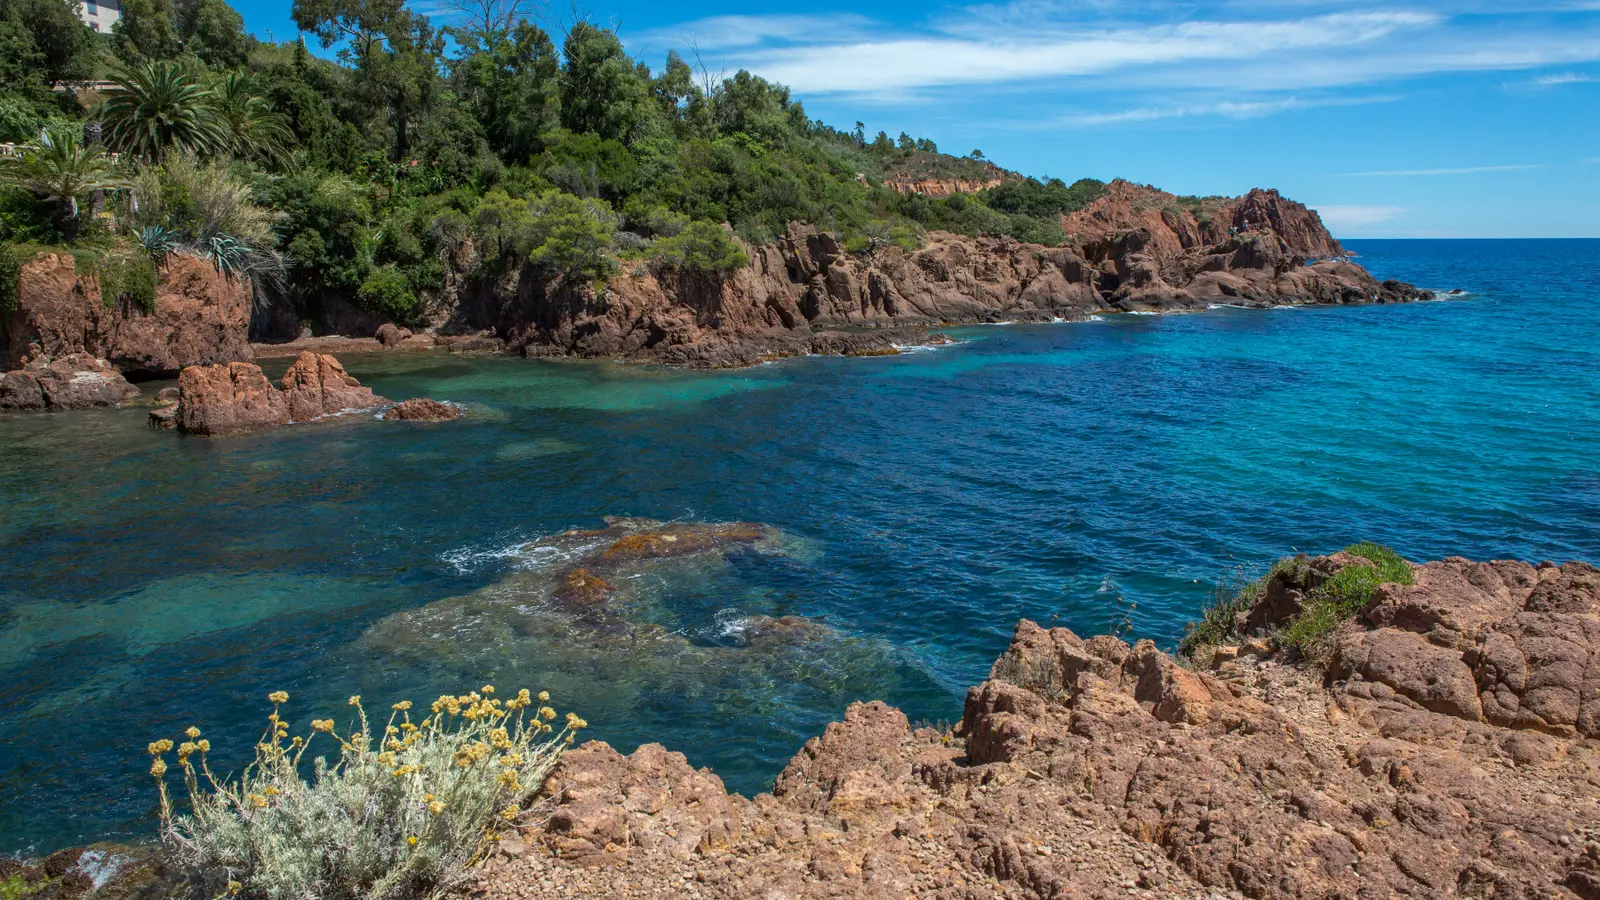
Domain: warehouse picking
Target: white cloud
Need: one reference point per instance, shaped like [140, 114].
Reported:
[1563, 78]
[1414, 173]
[903, 63]
[1233, 109]
[734, 32]
[1342, 217]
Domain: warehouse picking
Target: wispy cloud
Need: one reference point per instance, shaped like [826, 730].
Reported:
[1563, 78]
[1339, 217]
[1422, 173]
[1232, 109]
[913, 62]
[737, 32]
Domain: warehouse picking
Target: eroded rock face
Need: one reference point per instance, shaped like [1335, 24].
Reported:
[238, 398]
[74, 381]
[1135, 249]
[200, 317]
[317, 385]
[1091, 768]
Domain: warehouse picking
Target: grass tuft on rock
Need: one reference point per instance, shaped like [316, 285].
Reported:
[400, 813]
[1326, 606]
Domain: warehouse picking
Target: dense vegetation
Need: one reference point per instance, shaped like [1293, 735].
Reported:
[481, 147]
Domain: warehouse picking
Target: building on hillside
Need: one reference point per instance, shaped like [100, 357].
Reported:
[100, 14]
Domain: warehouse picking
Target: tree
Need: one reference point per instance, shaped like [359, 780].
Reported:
[145, 31]
[214, 31]
[62, 169]
[43, 44]
[161, 105]
[514, 88]
[701, 248]
[253, 128]
[393, 51]
[570, 236]
[602, 90]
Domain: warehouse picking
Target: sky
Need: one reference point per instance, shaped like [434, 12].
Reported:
[1394, 119]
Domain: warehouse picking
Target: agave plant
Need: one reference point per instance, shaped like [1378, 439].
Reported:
[254, 129]
[159, 242]
[62, 169]
[162, 105]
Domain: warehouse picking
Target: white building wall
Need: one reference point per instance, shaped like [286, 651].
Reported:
[100, 14]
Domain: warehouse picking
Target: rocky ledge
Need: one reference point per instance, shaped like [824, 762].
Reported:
[1451, 748]
[73, 381]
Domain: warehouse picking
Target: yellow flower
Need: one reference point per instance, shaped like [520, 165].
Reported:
[160, 746]
[297, 741]
[278, 697]
[427, 798]
[323, 725]
[511, 759]
[193, 732]
[186, 748]
[258, 801]
[158, 768]
[205, 745]
[235, 887]
[509, 813]
[508, 780]
[546, 713]
[487, 689]
[436, 807]
[388, 758]
[412, 840]
[355, 700]
[271, 791]
[403, 705]
[544, 696]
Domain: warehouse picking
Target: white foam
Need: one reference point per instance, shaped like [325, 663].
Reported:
[1142, 312]
[522, 554]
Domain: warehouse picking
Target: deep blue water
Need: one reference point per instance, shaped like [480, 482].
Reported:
[1099, 475]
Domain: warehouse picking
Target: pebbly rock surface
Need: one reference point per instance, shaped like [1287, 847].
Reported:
[200, 317]
[1136, 249]
[1096, 769]
[74, 381]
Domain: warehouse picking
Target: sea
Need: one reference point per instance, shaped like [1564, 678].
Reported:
[1114, 475]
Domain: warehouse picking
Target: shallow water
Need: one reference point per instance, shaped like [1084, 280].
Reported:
[1099, 475]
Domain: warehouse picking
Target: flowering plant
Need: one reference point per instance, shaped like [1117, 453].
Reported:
[400, 814]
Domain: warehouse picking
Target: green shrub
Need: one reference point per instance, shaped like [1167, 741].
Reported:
[12, 258]
[387, 291]
[401, 819]
[704, 248]
[1327, 606]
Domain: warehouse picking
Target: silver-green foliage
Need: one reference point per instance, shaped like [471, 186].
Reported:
[401, 813]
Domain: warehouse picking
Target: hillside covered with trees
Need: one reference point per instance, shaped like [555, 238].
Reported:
[486, 145]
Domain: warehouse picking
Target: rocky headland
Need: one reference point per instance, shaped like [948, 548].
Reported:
[1135, 249]
[1448, 749]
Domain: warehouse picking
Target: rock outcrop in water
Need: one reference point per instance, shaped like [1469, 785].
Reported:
[1450, 751]
[74, 381]
[199, 317]
[238, 398]
[1134, 249]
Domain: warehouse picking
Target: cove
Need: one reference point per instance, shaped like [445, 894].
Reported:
[1098, 475]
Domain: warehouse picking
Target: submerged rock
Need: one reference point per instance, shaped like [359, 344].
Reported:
[421, 409]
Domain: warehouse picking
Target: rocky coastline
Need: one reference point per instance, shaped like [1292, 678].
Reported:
[1447, 745]
[1135, 249]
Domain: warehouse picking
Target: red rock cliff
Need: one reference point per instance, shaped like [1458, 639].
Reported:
[200, 317]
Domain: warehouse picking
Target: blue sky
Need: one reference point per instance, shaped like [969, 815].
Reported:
[1395, 119]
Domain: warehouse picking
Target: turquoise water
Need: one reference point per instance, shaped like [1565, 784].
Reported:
[1100, 475]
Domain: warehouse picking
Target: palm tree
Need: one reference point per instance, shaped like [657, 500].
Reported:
[254, 129]
[62, 169]
[160, 105]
